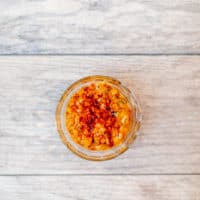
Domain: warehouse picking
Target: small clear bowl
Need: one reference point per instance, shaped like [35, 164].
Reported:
[92, 154]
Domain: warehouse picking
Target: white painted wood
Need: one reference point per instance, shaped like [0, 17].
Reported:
[100, 187]
[93, 26]
[167, 86]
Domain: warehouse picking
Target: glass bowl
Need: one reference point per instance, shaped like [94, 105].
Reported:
[100, 154]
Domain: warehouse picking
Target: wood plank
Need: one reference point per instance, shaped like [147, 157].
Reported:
[167, 86]
[85, 26]
[100, 187]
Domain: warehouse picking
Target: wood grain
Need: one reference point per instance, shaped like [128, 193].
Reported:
[168, 89]
[100, 187]
[92, 26]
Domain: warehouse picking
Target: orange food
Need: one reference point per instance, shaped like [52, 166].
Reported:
[98, 116]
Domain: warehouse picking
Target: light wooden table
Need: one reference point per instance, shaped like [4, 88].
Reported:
[152, 46]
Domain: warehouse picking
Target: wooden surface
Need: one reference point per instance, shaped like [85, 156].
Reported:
[99, 26]
[168, 89]
[151, 46]
[101, 187]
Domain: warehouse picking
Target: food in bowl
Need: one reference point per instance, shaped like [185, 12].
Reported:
[98, 116]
